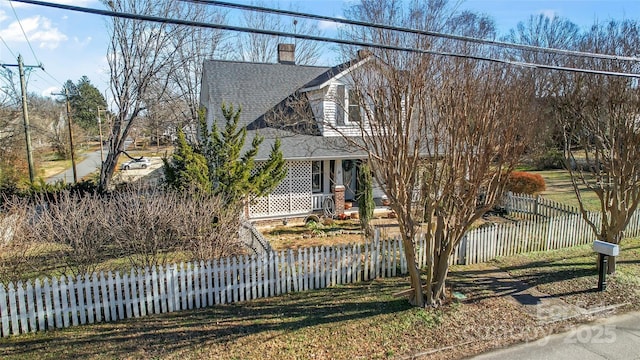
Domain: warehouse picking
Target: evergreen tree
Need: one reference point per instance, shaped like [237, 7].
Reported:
[235, 174]
[366, 205]
[187, 169]
[85, 99]
[217, 165]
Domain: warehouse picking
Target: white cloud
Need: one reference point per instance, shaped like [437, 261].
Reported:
[39, 30]
[3, 16]
[66, 2]
[49, 90]
[82, 43]
[328, 25]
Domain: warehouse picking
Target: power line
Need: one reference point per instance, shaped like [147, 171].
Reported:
[415, 31]
[48, 81]
[365, 44]
[24, 33]
[58, 82]
[8, 48]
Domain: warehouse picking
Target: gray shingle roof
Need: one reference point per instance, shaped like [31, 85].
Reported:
[256, 87]
[260, 87]
[305, 147]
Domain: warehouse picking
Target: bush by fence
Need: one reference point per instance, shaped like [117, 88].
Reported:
[139, 224]
[525, 183]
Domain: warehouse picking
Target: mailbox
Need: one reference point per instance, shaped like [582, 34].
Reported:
[606, 248]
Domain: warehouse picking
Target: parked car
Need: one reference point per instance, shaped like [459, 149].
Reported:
[141, 163]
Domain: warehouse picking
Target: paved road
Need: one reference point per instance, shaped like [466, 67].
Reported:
[617, 337]
[90, 164]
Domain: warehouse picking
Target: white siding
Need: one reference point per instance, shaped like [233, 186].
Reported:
[328, 112]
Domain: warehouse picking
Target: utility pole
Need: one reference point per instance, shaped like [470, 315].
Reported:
[69, 125]
[25, 112]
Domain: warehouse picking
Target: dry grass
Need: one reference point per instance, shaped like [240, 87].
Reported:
[570, 274]
[359, 321]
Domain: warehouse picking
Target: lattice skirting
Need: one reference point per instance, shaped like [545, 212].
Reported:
[292, 196]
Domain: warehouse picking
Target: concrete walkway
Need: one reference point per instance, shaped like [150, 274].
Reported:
[612, 338]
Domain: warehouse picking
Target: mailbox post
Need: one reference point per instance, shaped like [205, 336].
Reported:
[604, 250]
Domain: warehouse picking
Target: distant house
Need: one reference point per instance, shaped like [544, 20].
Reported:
[309, 109]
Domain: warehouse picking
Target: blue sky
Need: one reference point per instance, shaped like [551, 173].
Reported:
[71, 44]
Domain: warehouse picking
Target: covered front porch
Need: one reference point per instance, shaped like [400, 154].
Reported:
[310, 186]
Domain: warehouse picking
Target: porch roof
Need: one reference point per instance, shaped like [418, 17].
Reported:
[306, 147]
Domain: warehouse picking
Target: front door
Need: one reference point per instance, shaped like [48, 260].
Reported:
[349, 179]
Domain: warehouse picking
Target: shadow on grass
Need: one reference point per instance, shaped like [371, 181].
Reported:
[168, 333]
[484, 284]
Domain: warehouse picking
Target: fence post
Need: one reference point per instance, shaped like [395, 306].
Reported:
[462, 251]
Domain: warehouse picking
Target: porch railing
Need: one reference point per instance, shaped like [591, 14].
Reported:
[317, 200]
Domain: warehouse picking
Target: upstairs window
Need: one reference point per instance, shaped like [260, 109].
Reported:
[354, 107]
[340, 105]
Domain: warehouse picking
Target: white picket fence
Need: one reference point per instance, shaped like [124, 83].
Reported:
[533, 206]
[67, 301]
[540, 234]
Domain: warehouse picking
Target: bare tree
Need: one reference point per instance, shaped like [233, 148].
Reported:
[545, 149]
[441, 134]
[13, 164]
[139, 53]
[263, 48]
[49, 124]
[193, 47]
[600, 117]
[477, 134]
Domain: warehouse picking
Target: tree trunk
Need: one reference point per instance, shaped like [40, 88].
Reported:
[106, 171]
[440, 277]
[414, 273]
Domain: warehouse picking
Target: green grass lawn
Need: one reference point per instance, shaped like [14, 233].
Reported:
[560, 189]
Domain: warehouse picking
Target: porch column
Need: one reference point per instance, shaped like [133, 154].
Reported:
[338, 188]
[326, 177]
[339, 173]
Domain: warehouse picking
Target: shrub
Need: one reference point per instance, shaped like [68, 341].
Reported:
[146, 226]
[525, 183]
[551, 159]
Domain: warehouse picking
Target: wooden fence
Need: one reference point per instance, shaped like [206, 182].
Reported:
[67, 301]
[533, 206]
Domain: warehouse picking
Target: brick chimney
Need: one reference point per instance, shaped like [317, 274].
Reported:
[287, 54]
[362, 53]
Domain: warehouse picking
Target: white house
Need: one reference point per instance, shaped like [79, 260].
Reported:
[308, 109]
